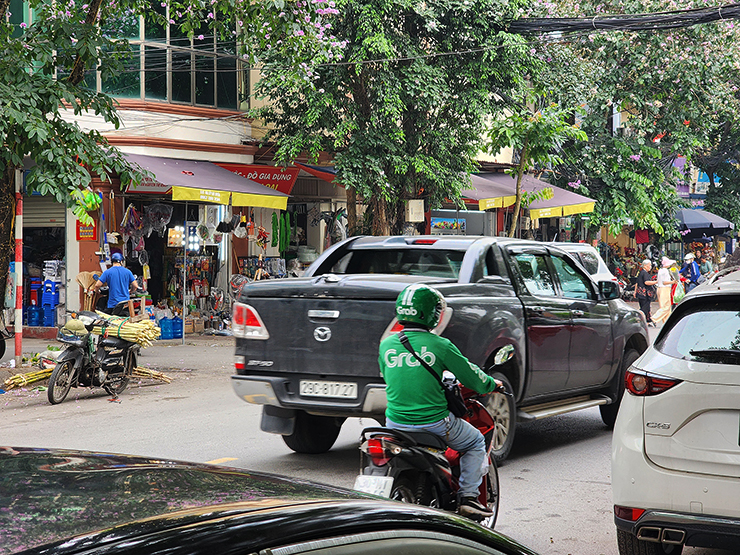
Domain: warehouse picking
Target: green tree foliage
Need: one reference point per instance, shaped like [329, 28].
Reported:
[45, 67]
[402, 106]
[673, 89]
[538, 130]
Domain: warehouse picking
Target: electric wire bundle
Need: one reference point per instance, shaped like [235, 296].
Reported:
[625, 22]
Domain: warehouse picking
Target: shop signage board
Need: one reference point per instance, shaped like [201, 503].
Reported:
[280, 179]
[87, 232]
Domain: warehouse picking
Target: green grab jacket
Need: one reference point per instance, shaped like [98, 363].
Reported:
[413, 395]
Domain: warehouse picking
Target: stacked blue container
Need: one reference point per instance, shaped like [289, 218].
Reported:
[49, 302]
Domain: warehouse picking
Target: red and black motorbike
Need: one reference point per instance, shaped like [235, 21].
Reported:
[417, 467]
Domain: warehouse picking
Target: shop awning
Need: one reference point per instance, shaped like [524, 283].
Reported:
[695, 224]
[498, 190]
[327, 173]
[196, 181]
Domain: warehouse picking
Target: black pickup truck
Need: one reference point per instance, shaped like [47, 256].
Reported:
[307, 348]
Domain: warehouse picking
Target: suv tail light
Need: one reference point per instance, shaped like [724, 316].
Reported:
[380, 449]
[247, 324]
[627, 513]
[644, 385]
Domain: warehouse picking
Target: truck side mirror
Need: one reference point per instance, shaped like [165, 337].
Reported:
[503, 355]
[609, 290]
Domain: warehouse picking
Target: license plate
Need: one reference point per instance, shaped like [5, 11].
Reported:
[377, 485]
[341, 390]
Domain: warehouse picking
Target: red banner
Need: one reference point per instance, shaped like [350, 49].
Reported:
[280, 179]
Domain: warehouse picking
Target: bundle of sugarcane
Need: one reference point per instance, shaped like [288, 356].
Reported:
[19, 380]
[141, 372]
[142, 332]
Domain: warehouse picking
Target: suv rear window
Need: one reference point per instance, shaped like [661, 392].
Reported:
[708, 333]
[428, 262]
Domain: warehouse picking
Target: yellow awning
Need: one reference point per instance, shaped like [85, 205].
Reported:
[498, 190]
[198, 181]
[496, 202]
[222, 197]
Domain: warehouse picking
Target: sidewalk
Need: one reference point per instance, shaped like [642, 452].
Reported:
[202, 353]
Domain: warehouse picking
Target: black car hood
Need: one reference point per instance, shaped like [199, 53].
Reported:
[47, 496]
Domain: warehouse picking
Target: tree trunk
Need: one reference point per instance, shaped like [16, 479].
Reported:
[518, 203]
[379, 206]
[7, 215]
[351, 211]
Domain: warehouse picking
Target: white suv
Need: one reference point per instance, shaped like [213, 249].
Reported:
[676, 443]
[590, 259]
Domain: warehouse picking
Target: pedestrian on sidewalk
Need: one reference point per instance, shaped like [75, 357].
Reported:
[644, 289]
[664, 283]
[691, 271]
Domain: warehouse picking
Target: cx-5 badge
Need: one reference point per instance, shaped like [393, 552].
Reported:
[322, 334]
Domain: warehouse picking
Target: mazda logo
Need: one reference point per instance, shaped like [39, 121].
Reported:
[322, 334]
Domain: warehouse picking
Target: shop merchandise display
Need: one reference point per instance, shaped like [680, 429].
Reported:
[271, 266]
[156, 217]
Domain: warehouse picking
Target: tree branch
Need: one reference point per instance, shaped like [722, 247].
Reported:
[78, 69]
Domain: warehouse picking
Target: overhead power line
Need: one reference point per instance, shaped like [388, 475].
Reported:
[627, 22]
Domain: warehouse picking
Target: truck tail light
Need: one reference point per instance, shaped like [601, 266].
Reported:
[380, 449]
[247, 324]
[627, 513]
[643, 384]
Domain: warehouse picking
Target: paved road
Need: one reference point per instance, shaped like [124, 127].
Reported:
[556, 496]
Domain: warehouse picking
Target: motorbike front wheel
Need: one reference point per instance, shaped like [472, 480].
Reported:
[60, 382]
[493, 495]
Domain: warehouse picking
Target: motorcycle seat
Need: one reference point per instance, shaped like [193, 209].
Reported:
[113, 342]
[428, 439]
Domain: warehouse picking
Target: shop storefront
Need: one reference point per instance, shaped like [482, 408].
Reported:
[178, 229]
[44, 255]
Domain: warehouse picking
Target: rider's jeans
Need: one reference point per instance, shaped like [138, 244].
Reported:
[463, 437]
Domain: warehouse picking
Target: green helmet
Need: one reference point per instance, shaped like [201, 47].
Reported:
[420, 304]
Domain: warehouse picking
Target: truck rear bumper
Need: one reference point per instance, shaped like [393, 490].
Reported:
[271, 390]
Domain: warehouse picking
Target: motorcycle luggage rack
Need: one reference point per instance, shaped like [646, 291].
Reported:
[412, 438]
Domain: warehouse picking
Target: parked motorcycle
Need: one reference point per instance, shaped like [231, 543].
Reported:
[417, 467]
[90, 360]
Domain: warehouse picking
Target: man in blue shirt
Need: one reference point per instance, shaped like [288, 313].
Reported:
[119, 280]
[690, 271]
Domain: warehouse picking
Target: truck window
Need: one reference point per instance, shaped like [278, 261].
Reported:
[574, 284]
[533, 269]
[436, 263]
[490, 268]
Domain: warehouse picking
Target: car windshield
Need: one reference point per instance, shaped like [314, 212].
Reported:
[709, 333]
[437, 263]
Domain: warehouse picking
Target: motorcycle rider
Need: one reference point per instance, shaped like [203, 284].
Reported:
[416, 401]
[119, 280]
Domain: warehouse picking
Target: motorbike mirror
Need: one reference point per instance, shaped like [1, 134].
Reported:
[503, 355]
[85, 319]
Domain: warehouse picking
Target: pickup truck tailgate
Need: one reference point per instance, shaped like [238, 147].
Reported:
[319, 337]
